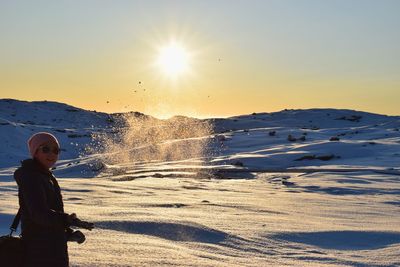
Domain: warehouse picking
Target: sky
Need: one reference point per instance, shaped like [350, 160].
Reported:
[241, 56]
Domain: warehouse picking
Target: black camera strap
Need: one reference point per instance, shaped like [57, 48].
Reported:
[15, 222]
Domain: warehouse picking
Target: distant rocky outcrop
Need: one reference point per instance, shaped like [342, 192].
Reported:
[325, 157]
[355, 118]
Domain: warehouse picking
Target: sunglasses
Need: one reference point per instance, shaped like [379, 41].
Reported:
[47, 150]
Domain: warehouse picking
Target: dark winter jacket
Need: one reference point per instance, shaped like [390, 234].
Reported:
[43, 221]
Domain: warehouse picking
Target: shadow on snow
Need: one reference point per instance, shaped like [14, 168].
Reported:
[170, 231]
[342, 240]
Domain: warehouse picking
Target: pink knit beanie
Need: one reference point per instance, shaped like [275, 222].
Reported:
[38, 139]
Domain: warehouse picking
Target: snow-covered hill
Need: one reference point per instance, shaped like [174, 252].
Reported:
[20, 119]
[289, 138]
[314, 137]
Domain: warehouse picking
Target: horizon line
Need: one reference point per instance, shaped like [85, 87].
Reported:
[209, 116]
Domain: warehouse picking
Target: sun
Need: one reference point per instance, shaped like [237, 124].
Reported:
[173, 59]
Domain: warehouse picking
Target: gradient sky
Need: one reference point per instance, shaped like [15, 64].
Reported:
[248, 55]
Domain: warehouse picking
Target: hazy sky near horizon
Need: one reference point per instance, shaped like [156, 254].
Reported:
[245, 55]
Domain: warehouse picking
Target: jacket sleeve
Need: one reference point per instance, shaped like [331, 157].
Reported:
[35, 200]
[69, 233]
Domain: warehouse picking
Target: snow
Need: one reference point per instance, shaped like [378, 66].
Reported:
[233, 196]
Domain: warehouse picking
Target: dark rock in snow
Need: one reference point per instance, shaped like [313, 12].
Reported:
[158, 175]
[97, 166]
[325, 157]
[238, 163]
[291, 138]
[307, 157]
[220, 138]
[320, 157]
[353, 118]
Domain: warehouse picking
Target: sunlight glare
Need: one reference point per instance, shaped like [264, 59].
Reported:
[173, 59]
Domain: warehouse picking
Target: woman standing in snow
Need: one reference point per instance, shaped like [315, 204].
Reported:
[45, 228]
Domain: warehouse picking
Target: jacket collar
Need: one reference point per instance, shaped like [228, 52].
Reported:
[33, 164]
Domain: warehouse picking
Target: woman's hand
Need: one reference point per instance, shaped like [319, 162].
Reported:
[73, 220]
[77, 236]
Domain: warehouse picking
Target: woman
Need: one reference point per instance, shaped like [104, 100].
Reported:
[45, 228]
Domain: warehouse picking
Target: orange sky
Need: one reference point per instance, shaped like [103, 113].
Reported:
[247, 56]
